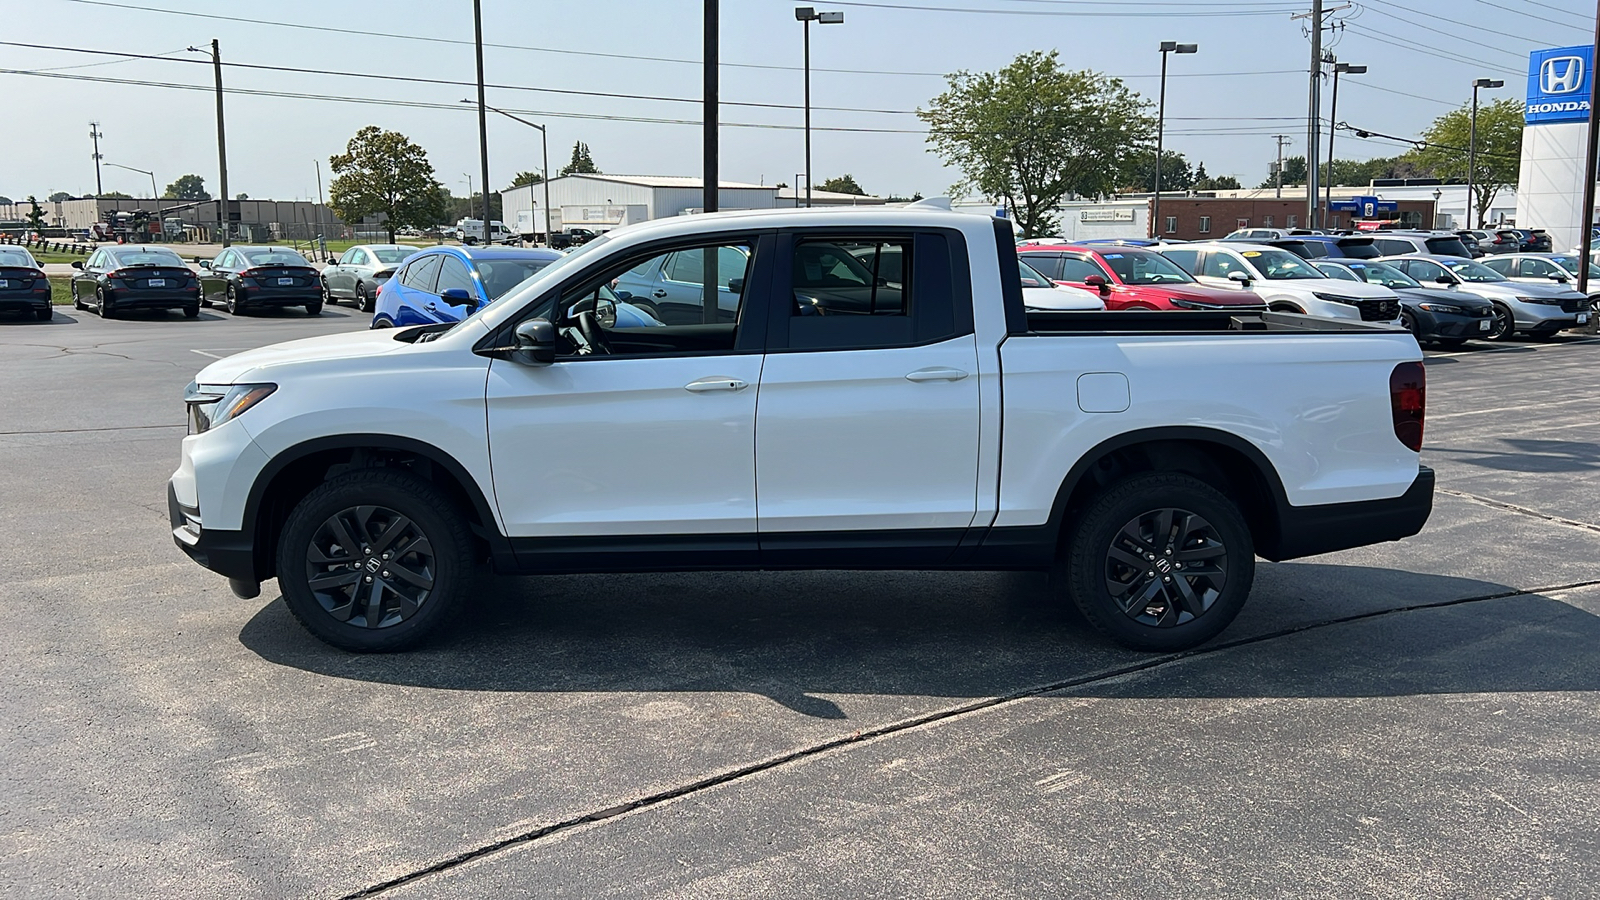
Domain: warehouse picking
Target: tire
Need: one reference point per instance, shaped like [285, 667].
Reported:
[314, 308]
[191, 312]
[363, 301]
[1409, 322]
[77, 303]
[433, 546]
[102, 305]
[1184, 609]
[234, 305]
[327, 295]
[1504, 326]
[44, 315]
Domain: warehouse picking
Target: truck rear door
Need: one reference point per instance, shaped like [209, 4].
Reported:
[867, 417]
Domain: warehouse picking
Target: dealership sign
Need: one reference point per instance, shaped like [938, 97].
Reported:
[1558, 85]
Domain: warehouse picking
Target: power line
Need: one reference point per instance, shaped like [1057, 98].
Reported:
[1422, 48]
[1582, 21]
[1373, 87]
[1187, 13]
[1464, 40]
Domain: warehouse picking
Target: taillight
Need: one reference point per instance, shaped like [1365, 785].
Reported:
[1408, 400]
[249, 273]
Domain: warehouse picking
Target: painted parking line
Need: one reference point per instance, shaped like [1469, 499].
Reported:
[220, 352]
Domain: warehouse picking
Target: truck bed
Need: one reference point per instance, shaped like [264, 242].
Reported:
[1192, 322]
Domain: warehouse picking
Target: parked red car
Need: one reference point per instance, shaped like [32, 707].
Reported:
[1132, 278]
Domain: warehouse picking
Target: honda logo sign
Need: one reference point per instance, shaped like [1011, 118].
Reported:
[1561, 75]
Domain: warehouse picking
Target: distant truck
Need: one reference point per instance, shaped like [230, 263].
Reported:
[572, 237]
[470, 231]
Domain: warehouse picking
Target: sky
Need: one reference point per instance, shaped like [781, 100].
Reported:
[1247, 82]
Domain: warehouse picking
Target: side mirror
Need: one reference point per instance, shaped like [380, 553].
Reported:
[605, 313]
[205, 263]
[77, 264]
[1098, 282]
[457, 297]
[535, 343]
[1239, 276]
[1561, 277]
[1445, 280]
[736, 285]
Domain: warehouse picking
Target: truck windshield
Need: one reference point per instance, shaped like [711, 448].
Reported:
[1144, 267]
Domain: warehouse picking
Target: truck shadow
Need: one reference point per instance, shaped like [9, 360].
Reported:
[797, 637]
[1529, 455]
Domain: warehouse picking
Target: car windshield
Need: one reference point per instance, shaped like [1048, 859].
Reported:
[274, 257]
[1570, 265]
[1474, 273]
[501, 275]
[156, 257]
[556, 268]
[1281, 265]
[1384, 274]
[393, 254]
[1143, 267]
[16, 258]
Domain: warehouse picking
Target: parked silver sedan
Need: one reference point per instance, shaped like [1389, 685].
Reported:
[1544, 268]
[361, 271]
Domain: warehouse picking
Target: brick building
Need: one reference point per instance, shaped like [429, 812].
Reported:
[1203, 218]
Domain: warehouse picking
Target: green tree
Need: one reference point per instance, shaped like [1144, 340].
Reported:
[116, 195]
[59, 196]
[525, 178]
[1444, 151]
[582, 163]
[384, 173]
[1034, 133]
[844, 184]
[187, 187]
[241, 197]
[1204, 182]
[1140, 176]
[35, 214]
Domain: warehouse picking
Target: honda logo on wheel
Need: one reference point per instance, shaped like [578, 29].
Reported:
[1561, 75]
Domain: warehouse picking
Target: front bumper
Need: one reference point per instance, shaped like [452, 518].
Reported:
[1309, 530]
[1432, 325]
[228, 553]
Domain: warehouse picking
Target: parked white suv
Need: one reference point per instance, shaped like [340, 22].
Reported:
[1285, 281]
[881, 397]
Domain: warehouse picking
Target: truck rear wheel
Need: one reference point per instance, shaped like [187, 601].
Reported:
[374, 560]
[1159, 562]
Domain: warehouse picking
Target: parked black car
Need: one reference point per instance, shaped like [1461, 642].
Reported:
[23, 287]
[1519, 240]
[1470, 240]
[246, 278]
[119, 279]
[1433, 315]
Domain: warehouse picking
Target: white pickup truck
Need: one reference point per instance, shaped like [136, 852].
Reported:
[879, 397]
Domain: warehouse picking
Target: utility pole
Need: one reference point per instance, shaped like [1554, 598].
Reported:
[95, 135]
[222, 146]
[483, 121]
[1314, 113]
[1280, 138]
[1589, 163]
[322, 241]
[713, 59]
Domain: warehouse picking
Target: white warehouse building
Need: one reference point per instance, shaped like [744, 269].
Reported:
[604, 202]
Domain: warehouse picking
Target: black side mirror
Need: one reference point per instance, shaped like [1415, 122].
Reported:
[535, 343]
[77, 264]
[457, 297]
[205, 263]
[1445, 279]
[1561, 277]
[736, 285]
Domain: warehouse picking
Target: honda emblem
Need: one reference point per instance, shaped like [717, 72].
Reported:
[1561, 75]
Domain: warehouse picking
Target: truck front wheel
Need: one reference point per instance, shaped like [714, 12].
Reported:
[374, 560]
[1159, 562]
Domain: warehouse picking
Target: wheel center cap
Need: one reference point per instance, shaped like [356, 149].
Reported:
[373, 564]
[1163, 566]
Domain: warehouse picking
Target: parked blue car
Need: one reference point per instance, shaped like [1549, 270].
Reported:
[447, 284]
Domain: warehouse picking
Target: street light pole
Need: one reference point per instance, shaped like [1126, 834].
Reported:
[1161, 127]
[1333, 116]
[1590, 160]
[153, 192]
[806, 15]
[483, 123]
[544, 139]
[1472, 147]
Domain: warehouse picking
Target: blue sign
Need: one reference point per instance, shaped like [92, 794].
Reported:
[1365, 207]
[1558, 85]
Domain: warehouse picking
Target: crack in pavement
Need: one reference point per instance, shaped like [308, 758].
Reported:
[1523, 510]
[892, 728]
[86, 430]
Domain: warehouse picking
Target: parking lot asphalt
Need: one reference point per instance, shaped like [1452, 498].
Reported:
[1415, 719]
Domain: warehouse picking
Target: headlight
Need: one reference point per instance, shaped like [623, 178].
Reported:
[1334, 298]
[1187, 304]
[211, 405]
[1442, 308]
[1542, 301]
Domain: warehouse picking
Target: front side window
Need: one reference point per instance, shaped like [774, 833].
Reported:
[671, 287]
[1475, 273]
[357, 258]
[1077, 269]
[1334, 270]
[454, 275]
[499, 276]
[421, 273]
[1220, 265]
[1535, 268]
[1384, 274]
[1423, 270]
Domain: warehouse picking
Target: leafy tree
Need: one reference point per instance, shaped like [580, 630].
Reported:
[844, 184]
[1140, 176]
[383, 173]
[241, 197]
[187, 187]
[1034, 133]
[35, 215]
[1499, 149]
[472, 207]
[1351, 172]
[582, 163]
[116, 195]
[59, 196]
[1204, 182]
[525, 178]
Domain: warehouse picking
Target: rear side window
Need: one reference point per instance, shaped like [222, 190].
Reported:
[421, 273]
[1393, 246]
[851, 278]
[1187, 259]
[862, 292]
[1447, 246]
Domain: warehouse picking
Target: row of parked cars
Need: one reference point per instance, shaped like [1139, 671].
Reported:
[1423, 281]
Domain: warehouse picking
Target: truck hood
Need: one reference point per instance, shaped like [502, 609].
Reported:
[233, 369]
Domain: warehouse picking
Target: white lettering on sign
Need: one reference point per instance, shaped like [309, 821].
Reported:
[1105, 215]
[1563, 106]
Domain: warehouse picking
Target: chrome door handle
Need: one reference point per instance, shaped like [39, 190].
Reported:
[659, 293]
[936, 373]
[431, 308]
[715, 383]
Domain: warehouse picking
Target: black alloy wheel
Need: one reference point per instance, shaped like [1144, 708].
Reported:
[374, 560]
[1159, 561]
[1504, 324]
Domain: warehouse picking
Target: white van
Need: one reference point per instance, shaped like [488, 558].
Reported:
[470, 231]
[1285, 281]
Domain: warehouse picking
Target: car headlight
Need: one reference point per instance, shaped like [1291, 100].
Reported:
[1334, 298]
[1442, 308]
[1187, 304]
[1539, 300]
[211, 405]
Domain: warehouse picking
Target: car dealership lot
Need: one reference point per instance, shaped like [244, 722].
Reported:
[1410, 719]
